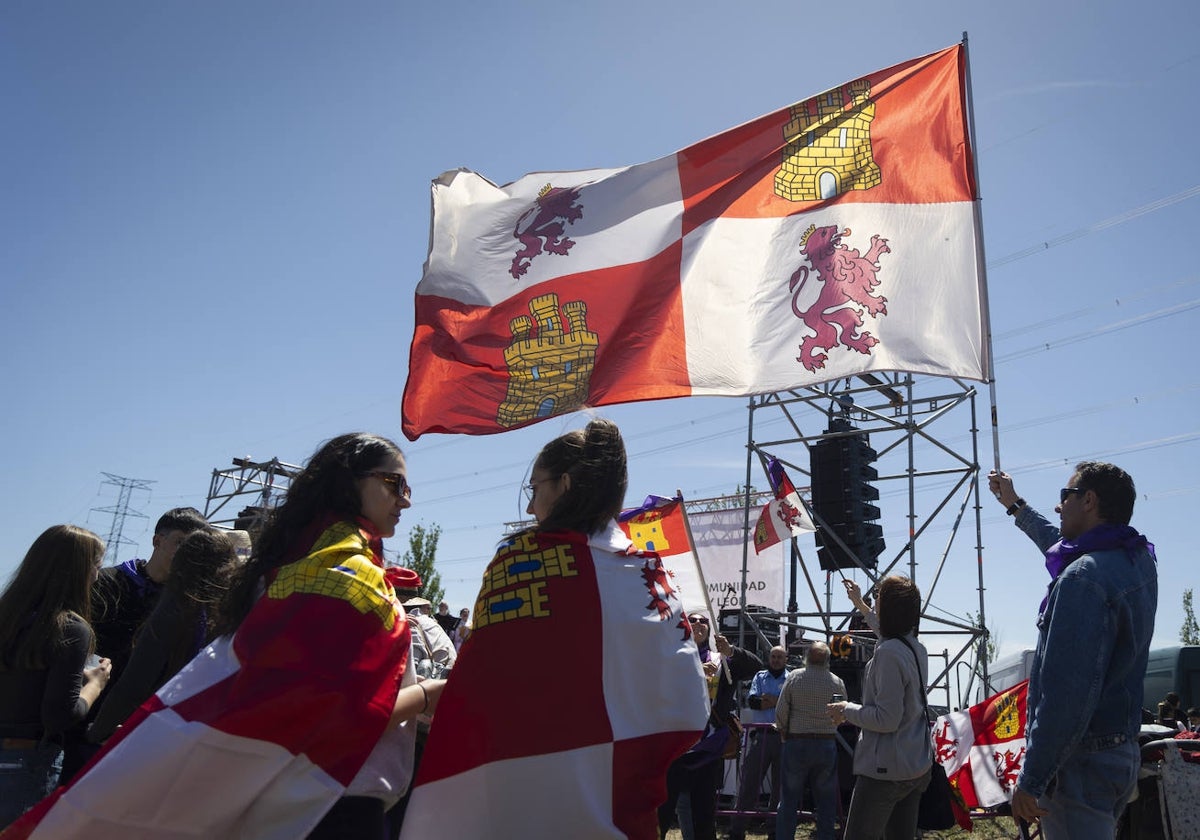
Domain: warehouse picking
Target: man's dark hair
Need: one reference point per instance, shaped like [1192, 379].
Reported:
[1112, 486]
[899, 607]
[186, 519]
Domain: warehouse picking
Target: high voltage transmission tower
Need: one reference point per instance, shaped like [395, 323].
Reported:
[119, 511]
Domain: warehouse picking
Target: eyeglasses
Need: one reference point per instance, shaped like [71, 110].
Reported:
[531, 487]
[698, 619]
[1067, 491]
[397, 482]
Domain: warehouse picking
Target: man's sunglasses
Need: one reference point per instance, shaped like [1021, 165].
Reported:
[1067, 491]
[698, 619]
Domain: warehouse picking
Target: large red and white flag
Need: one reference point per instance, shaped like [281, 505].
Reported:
[264, 730]
[982, 748]
[832, 237]
[573, 736]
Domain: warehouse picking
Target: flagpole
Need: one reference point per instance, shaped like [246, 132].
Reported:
[977, 209]
[977, 205]
[687, 527]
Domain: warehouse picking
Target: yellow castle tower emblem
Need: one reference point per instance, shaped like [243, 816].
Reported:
[549, 368]
[646, 532]
[828, 149]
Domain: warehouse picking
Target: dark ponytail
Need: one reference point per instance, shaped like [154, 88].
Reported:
[594, 458]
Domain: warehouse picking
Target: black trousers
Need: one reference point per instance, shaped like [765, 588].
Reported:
[700, 784]
[352, 818]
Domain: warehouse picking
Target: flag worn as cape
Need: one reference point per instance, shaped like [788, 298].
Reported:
[261, 733]
[577, 688]
[784, 516]
[981, 748]
[832, 237]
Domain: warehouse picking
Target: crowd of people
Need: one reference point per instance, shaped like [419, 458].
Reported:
[352, 687]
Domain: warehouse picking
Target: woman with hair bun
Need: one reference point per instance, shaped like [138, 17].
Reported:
[581, 683]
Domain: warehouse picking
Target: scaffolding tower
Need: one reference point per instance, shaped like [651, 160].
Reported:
[925, 433]
[260, 485]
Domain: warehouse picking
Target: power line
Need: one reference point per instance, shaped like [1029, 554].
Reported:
[1177, 309]
[1104, 224]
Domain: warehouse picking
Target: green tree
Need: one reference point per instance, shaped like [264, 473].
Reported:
[420, 556]
[1189, 634]
[989, 642]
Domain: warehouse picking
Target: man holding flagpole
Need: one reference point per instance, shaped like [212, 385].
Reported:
[1085, 687]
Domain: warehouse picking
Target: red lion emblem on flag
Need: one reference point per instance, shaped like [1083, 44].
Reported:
[1008, 768]
[848, 283]
[542, 227]
[789, 514]
[658, 584]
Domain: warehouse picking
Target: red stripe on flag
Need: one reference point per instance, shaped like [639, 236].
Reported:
[640, 780]
[310, 664]
[918, 140]
[557, 641]
[635, 312]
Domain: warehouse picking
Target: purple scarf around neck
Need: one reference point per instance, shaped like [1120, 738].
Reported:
[1104, 537]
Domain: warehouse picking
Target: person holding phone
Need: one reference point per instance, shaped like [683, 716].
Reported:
[894, 756]
[45, 641]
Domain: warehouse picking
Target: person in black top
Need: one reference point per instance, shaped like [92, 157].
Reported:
[179, 627]
[448, 622]
[45, 641]
[122, 599]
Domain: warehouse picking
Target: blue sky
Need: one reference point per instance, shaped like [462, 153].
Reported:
[215, 215]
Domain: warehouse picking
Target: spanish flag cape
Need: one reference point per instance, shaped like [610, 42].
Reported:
[260, 734]
[578, 686]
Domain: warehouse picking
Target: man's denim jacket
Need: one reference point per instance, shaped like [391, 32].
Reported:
[1085, 690]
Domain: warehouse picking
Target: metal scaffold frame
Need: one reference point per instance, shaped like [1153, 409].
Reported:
[261, 484]
[929, 474]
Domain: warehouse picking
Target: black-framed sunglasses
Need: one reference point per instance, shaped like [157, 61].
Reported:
[1067, 491]
[397, 482]
[698, 619]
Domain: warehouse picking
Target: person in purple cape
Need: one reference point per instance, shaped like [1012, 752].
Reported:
[1094, 630]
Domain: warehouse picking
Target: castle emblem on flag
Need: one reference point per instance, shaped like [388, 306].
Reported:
[828, 149]
[647, 532]
[541, 228]
[848, 280]
[549, 367]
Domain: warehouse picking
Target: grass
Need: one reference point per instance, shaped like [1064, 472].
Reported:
[985, 829]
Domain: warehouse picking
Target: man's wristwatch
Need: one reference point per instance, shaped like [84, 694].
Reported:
[1012, 509]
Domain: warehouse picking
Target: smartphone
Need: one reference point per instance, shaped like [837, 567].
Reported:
[838, 698]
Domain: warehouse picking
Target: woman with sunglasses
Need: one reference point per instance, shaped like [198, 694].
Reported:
[293, 719]
[580, 684]
[45, 640]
